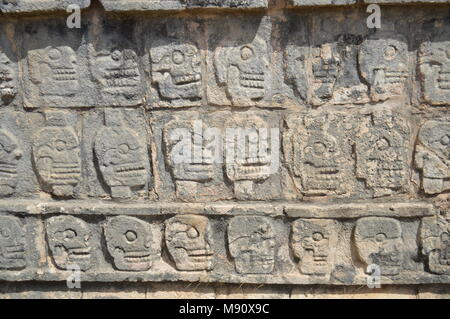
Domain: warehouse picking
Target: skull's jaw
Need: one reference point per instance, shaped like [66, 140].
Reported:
[134, 261]
[254, 264]
[444, 80]
[321, 178]
[8, 179]
[181, 87]
[193, 172]
[437, 264]
[194, 260]
[80, 257]
[252, 171]
[13, 257]
[390, 263]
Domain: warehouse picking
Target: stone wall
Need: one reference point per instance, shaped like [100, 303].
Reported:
[231, 148]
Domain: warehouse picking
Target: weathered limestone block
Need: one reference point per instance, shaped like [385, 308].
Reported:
[379, 242]
[116, 156]
[434, 66]
[26, 6]
[252, 154]
[57, 154]
[384, 64]
[252, 244]
[432, 156]
[177, 63]
[240, 55]
[9, 69]
[54, 66]
[318, 151]
[322, 67]
[313, 242]
[382, 152]
[189, 241]
[122, 156]
[156, 5]
[435, 238]
[70, 241]
[116, 64]
[132, 243]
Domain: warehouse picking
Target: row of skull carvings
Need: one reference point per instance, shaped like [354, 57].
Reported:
[242, 74]
[317, 151]
[253, 244]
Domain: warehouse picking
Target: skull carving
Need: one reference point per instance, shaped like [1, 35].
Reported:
[434, 65]
[130, 243]
[312, 242]
[54, 70]
[435, 238]
[176, 70]
[433, 156]
[252, 154]
[325, 70]
[379, 241]
[252, 244]
[384, 65]
[12, 243]
[189, 241]
[244, 71]
[189, 151]
[382, 155]
[10, 154]
[121, 156]
[8, 80]
[318, 159]
[70, 242]
[56, 153]
[117, 72]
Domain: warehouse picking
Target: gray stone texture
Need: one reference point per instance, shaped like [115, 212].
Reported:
[250, 147]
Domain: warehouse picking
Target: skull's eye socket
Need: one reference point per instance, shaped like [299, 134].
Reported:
[380, 237]
[5, 232]
[445, 140]
[317, 236]
[192, 233]
[70, 234]
[390, 52]
[54, 54]
[382, 144]
[116, 55]
[178, 57]
[124, 149]
[246, 53]
[131, 236]
[319, 148]
[60, 145]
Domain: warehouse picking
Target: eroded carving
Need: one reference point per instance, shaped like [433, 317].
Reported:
[176, 71]
[384, 65]
[8, 80]
[434, 66]
[116, 70]
[382, 153]
[313, 242]
[379, 241]
[12, 243]
[130, 241]
[70, 242]
[244, 70]
[252, 244]
[54, 71]
[10, 154]
[56, 154]
[318, 153]
[252, 152]
[189, 242]
[433, 156]
[435, 237]
[122, 157]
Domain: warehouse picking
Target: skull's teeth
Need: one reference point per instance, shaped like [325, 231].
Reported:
[187, 79]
